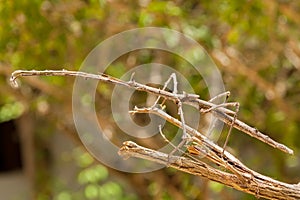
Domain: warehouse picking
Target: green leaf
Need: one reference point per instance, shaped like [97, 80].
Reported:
[11, 111]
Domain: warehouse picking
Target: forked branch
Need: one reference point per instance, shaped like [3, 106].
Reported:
[258, 185]
[190, 99]
[241, 177]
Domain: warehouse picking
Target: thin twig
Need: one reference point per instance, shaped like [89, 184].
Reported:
[219, 106]
[185, 136]
[231, 125]
[225, 104]
[180, 111]
[212, 150]
[190, 99]
[226, 94]
[172, 76]
[174, 147]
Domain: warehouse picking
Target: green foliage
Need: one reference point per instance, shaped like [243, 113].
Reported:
[245, 18]
[93, 174]
[64, 196]
[216, 187]
[93, 180]
[11, 111]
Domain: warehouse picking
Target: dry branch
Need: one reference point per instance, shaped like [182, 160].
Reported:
[258, 185]
[241, 177]
[212, 151]
[190, 99]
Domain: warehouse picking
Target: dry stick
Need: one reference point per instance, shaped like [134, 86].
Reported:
[214, 152]
[214, 120]
[180, 111]
[172, 76]
[268, 188]
[231, 125]
[170, 143]
[218, 159]
[175, 89]
[190, 99]
[222, 114]
[256, 184]
[226, 94]
[236, 104]
[219, 106]
[185, 136]
[253, 132]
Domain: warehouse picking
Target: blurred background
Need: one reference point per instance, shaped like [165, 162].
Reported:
[255, 44]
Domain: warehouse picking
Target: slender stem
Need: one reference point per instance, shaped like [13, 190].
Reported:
[231, 125]
[190, 99]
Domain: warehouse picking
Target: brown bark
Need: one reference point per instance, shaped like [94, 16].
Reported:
[255, 183]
